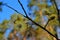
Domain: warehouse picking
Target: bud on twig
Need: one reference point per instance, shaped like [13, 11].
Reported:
[52, 18]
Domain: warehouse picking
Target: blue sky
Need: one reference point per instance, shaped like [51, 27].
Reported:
[7, 12]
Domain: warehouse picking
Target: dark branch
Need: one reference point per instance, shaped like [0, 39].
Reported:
[22, 8]
[31, 20]
[46, 24]
[13, 9]
[42, 27]
[56, 8]
[49, 20]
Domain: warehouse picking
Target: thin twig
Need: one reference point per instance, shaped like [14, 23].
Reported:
[46, 24]
[53, 2]
[51, 18]
[57, 10]
[14, 9]
[22, 8]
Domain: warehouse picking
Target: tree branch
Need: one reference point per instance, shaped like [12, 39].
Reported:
[32, 21]
[57, 9]
[22, 8]
[51, 18]
[42, 27]
[46, 24]
[13, 9]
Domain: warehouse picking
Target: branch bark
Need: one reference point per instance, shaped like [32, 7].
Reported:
[22, 8]
[13, 9]
[54, 2]
[57, 10]
[31, 19]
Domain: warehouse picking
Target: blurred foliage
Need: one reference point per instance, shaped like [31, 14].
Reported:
[0, 9]
[21, 24]
[0, 3]
[18, 21]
